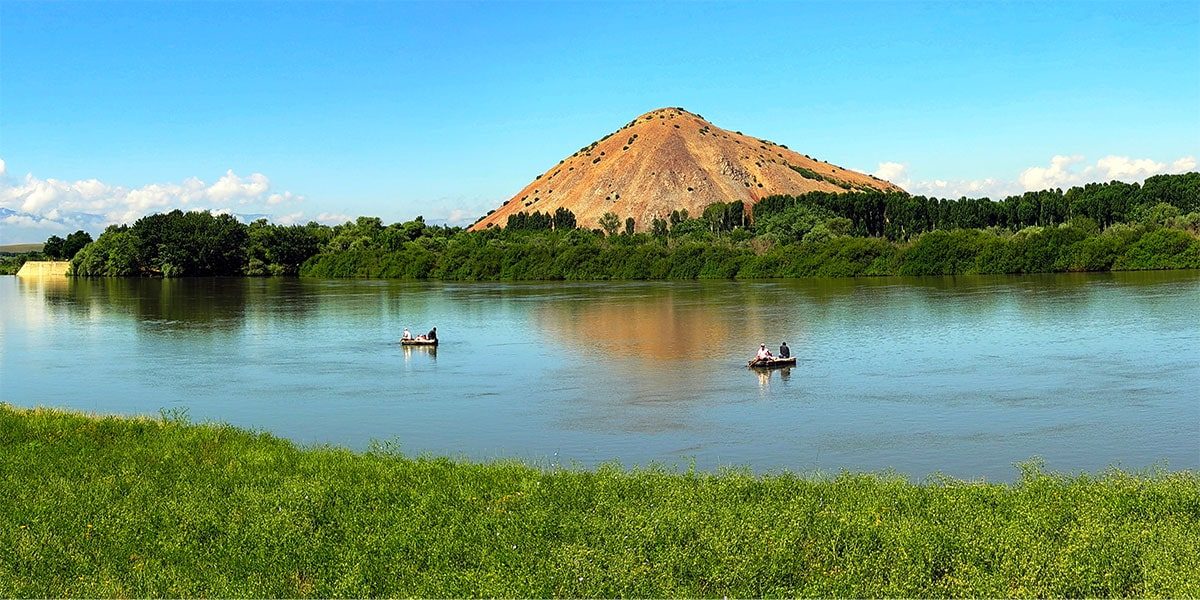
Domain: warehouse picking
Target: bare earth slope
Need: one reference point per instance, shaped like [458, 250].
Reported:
[670, 159]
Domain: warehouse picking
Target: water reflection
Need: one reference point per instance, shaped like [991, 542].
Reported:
[665, 323]
[420, 351]
[966, 374]
[766, 375]
[166, 305]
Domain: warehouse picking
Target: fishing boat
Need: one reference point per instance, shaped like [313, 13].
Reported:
[771, 363]
[418, 342]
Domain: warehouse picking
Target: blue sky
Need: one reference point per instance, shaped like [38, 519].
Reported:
[325, 110]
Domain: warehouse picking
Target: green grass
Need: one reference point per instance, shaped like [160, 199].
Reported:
[152, 507]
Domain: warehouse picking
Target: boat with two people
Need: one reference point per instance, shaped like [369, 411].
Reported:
[765, 360]
[427, 339]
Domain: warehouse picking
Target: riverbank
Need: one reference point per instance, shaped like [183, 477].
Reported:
[151, 507]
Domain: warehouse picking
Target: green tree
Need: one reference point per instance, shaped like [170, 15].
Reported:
[564, 219]
[278, 249]
[192, 243]
[75, 242]
[658, 228]
[53, 248]
[610, 222]
[114, 254]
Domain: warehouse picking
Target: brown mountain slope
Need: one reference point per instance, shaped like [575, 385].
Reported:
[670, 159]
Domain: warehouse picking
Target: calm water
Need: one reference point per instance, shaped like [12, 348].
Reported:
[965, 376]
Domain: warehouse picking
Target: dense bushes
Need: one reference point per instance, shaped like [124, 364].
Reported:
[584, 255]
[11, 262]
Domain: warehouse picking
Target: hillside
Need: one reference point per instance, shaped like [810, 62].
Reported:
[21, 248]
[670, 159]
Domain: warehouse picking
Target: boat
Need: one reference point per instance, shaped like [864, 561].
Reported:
[418, 342]
[771, 363]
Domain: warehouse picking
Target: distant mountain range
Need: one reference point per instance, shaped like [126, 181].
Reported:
[670, 159]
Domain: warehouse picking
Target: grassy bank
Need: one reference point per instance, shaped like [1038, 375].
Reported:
[147, 507]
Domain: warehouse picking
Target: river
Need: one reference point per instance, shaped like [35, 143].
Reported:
[963, 376]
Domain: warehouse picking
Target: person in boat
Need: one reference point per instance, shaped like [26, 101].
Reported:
[763, 353]
[407, 334]
[432, 335]
[784, 351]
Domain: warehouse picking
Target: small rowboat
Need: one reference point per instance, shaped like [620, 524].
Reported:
[771, 363]
[417, 342]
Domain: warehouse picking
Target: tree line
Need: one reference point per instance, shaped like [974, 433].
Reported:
[899, 216]
[1090, 228]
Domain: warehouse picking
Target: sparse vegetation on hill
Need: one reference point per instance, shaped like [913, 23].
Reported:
[658, 162]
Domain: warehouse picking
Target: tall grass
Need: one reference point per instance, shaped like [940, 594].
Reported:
[159, 507]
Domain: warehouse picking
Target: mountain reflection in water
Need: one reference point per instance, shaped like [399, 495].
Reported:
[962, 375]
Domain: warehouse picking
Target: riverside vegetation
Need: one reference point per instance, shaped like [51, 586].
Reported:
[55, 248]
[1098, 227]
[161, 507]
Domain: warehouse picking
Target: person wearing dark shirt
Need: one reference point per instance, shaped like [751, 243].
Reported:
[784, 351]
[432, 335]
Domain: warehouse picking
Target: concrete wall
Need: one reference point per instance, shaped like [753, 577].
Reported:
[44, 268]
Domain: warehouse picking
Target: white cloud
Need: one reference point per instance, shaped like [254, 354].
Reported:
[94, 203]
[290, 218]
[1058, 174]
[892, 171]
[459, 216]
[898, 174]
[1186, 164]
[332, 218]
[230, 186]
[274, 199]
[1123, 168]
[27, 221]
[1064, 171]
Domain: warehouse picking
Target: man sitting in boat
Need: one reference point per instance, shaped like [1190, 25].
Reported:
[432, 335]
[784, 351]
[763, 353]
[407, 334]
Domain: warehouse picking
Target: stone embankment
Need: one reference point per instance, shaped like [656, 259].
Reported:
[44, 268]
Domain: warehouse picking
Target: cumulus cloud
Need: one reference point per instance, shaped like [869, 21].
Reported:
[1058, 174]
[898, 174]
[274, 199]
[332, 218]
[1063, 171]
[91, 203]
[892, 171]
[230, 187]
[290, 218]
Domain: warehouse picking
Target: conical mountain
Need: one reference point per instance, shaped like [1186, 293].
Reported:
[670, 159]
